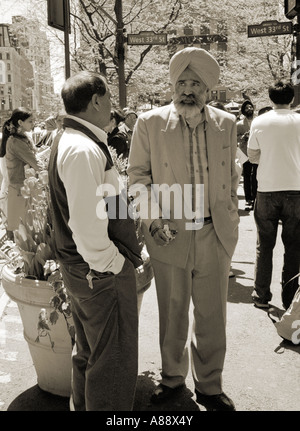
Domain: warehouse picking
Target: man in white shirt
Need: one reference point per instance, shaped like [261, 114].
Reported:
[274, 144]
[97, 250]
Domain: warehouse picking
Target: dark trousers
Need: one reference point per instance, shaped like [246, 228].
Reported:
[250, 182]
[105, 355]
[269, 209]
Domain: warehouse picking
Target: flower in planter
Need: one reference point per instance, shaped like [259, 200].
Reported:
[32, 255]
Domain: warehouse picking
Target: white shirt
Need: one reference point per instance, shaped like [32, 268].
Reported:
[81, 167]
[274, 143]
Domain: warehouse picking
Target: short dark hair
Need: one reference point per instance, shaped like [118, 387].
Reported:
[281, 93]
[79, 89]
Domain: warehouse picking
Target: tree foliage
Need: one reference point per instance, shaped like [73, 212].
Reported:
[248, 66]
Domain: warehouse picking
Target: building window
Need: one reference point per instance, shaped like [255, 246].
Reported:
[9, 78]
[2, 72]
[222, 28]
[188, 30]
[204, 29]
[222, 46]
[7, 56]
[222, 95]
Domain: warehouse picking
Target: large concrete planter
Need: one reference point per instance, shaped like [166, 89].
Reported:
[52, 365]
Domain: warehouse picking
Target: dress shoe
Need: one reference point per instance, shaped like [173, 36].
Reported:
[164, 393]
[219, 402]
[249, 205]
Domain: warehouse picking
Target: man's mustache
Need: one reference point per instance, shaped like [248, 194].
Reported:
[189, 98]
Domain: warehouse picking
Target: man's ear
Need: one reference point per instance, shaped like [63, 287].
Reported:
[95, 102]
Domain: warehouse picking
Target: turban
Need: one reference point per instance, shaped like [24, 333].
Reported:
[199, 61]
[243, 107]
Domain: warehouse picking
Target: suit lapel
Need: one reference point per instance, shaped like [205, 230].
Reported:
[176, 151]
[213, 137]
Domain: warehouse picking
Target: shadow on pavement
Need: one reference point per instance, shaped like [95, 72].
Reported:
[237, 292]
[287, 345]
[35, 399]
[243, 213]
[182, 401]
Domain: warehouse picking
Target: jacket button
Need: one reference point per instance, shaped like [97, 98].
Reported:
[224, 187]
[166, 165]
[223, 163]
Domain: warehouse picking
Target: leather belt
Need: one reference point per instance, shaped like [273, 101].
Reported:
[205, 221]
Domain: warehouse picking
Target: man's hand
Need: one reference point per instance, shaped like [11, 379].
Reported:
[163, 231]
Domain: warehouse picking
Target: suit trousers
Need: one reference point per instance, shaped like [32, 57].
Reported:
[205, 281]
[105, 355]
[250, 181]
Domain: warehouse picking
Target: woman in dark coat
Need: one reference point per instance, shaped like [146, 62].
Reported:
[115, 138]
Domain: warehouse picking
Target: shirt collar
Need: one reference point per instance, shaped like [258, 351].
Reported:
[101, 134]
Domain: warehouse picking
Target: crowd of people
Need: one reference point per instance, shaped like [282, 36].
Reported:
[197, 149]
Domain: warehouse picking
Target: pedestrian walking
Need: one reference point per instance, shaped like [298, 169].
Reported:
[249, 172]
[18, 151]
[185, 147]
[274, 144]
[97, 249]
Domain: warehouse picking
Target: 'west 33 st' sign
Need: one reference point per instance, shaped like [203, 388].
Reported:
[270, 28]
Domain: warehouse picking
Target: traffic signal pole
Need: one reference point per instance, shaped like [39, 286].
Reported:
[120, 53]
[66, 36]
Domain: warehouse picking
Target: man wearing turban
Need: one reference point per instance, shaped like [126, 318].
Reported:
[182, 174]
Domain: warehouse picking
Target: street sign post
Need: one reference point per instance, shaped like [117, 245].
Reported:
[147, 38]
[270, 28]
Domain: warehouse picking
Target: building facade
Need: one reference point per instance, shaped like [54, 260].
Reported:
[25, 71]
[16, 75]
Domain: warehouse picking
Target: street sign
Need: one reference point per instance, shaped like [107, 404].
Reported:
[197, 39]
[270, 28]
[147, 38]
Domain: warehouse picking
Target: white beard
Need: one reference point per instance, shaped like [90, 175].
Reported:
[191, 113]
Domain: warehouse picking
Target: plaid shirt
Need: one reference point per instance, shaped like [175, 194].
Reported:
[197, 164]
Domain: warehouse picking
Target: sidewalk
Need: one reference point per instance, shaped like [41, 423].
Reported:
[261, 373]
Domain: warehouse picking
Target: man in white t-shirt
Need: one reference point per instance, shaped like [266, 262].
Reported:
[274, 144]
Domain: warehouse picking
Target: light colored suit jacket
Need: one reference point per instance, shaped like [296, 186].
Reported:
[157, 156]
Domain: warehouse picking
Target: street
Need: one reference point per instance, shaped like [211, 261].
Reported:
[261, 373]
